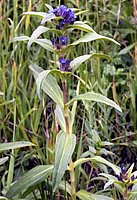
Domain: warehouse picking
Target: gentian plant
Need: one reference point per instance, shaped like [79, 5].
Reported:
[61, 22]
[125, 183]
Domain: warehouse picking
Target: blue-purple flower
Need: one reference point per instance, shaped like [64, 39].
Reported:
[67, 15]
[63, 40]
[123, 170]
[64, 64]
[60, 42]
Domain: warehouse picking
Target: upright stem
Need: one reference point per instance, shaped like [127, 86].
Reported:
[125, 193]
[12, 157]
[64, 91]
[72, 178]
[71, 164]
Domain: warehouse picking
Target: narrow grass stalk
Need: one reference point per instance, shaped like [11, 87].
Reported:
[12, 157]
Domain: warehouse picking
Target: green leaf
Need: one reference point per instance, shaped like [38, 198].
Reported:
[48, 17]
[48, 6]
[80, 26]
[109, 183]
[45, 43]
[65, 186]
[91, 96]
[61, 74]
[84, 195]
[36, 70]
[19, 38]
[79, 60]
[91, 37]
[48, 84]
[60, 118]
[127, 49]
[14, 145]
[36, 34]
[98, 159]
[81, 12]
[105, 143]
[64, 147]
[111, 179]
[38, 14]
[3, 198]
[129, 171]
[74, 107]
[3, 160]
[34, 176]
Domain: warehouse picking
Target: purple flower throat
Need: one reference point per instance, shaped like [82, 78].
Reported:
[64, 64]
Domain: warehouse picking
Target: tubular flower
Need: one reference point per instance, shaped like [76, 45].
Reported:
[67, 15]
[60, 42]
[63, 40]
[123, 174]
[64, 64]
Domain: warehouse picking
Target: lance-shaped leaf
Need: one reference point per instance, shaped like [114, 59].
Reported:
[111, 179]
[64, 147]
[91, 37]
[14, 145]
[79, 60]
[81, 26]
[60, 118]
[91, 96]
[3, 160]
[38, 14]
[51, 88]
[127, 49]
[45, 43]
[84, 195]
[98, 159]
[36, 34]
[36, 70]
[48, 84]
[31, 178]
[20, 38]
[49, 17]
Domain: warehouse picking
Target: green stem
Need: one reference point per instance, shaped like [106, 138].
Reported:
[72, 178]
[12, 157]
[71, 164]
[64, 92]
[125, 193]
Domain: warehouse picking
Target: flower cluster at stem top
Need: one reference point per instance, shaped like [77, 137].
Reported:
[124, 177]
[66, 14]
[67, 18]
